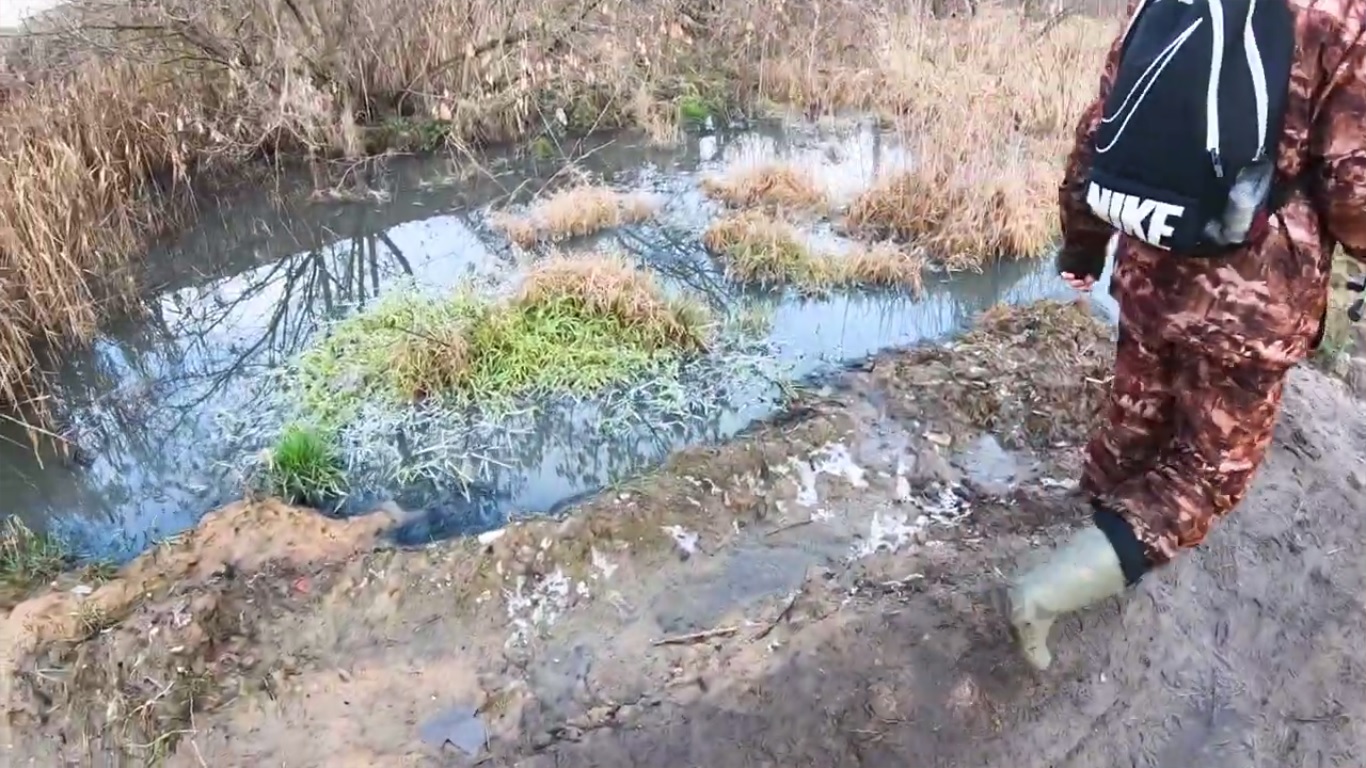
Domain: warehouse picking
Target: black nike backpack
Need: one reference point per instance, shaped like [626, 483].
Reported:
[1184, 156]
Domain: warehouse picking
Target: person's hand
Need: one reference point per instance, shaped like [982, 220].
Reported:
[1082, 284]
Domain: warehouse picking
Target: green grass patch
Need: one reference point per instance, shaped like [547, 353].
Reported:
[304, 468]
[28, 558]
[405, 134]
[557, 347]
[543, 148]
[701, 97]
[577, 326]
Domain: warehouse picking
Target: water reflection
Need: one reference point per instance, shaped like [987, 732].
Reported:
[166, 405]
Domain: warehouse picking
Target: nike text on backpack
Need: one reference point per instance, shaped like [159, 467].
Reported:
[1184, 156]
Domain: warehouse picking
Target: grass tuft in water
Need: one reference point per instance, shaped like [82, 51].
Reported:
[28, 558]
[573, 212]
[768, 186]
[304, 468]
[758, 249]
[575, 326]
[966, 221]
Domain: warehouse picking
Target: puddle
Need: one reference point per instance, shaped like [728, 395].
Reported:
[166, 407]
[459, 727]
[991, 468]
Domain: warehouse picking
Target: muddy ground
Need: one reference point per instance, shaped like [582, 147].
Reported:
[805, 595]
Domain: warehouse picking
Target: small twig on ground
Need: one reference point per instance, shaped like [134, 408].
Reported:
[194, 729]
[789, 526]
[1325, 718]
[695, 637]
[782, 616]
[872, 735]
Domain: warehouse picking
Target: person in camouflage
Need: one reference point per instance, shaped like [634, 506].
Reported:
[1205, 344]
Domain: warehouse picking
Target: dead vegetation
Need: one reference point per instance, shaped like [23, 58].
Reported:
[574, 212]
[767, 186]
[123, 670]
[990, 110]
[1034, 375]
[759, 249]
[114, 112]
[966, 214]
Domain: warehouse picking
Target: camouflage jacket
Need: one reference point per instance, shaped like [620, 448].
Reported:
[1263, 304]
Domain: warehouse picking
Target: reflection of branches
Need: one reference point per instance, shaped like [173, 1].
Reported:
[133, 395]
[677, 256]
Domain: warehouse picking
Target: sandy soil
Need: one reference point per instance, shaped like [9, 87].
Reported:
[808, 594]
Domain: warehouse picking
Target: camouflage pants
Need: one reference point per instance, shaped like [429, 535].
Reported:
[1181, 438]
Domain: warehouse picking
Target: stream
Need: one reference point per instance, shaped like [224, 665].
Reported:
[165, 406]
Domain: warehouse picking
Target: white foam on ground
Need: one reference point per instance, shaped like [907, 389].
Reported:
[889, 532]
[833, 459]
[684, 538]
[533, 608]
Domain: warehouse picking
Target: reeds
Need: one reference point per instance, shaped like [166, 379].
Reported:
[116, 112]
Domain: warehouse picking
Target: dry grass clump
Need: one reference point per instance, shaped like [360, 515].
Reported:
[1010, 72]
[759, 249]
[767, 186]
[573, 212]
[884, 265]
[432, 361]
[965, 211]
[610, 286]
[1036, 375]
[989, 103]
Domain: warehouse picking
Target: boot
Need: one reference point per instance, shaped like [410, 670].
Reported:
[1083, 571]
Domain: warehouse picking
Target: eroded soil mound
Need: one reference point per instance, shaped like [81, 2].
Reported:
[805, 595]
[123, 667]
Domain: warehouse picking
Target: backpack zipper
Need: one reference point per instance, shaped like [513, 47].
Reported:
[1254, 64]
[1216, 66]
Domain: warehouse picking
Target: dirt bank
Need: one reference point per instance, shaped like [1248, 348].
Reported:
[804, 595]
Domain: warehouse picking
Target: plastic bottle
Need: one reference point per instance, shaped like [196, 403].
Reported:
[1249, 191]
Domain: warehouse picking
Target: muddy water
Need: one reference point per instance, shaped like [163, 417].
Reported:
[165, 407]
